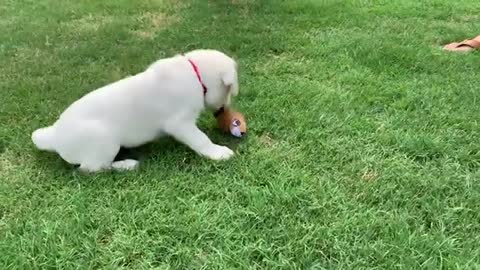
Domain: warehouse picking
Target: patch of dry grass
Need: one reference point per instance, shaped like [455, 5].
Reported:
[152, 23]
[89, 23]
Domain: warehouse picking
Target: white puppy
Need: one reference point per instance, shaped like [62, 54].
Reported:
[165, 99]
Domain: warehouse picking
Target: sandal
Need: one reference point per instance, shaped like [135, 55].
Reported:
[464, 46]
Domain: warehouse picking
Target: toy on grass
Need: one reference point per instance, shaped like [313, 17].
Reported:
[231, 121]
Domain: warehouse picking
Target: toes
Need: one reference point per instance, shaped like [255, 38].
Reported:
[220, 153]
[91, 168]
[125, 165]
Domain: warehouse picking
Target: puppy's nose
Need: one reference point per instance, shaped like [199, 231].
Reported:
[243, 133]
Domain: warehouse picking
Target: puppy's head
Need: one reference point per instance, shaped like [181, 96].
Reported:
[225, 83]
[229, 78]
[220, 75]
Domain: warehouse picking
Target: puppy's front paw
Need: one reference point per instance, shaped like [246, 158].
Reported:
[218, 152]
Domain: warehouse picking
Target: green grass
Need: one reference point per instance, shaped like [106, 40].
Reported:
[363, 150]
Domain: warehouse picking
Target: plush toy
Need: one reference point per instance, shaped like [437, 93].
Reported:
[231, 121]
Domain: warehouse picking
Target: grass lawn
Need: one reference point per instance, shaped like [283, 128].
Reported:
[363, 150]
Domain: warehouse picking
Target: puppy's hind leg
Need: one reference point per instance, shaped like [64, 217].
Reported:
[98, 153]
[121, 165]
[98, 157]
[93, 167]
[125, 165]
[89, 144]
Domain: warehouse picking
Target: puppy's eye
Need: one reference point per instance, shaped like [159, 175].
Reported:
[236, 123]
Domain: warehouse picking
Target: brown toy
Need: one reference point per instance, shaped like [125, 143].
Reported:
[231, 121]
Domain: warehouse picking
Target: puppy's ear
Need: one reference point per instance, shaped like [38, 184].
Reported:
[230, 80]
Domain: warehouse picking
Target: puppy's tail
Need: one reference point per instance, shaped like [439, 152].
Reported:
[44, 138]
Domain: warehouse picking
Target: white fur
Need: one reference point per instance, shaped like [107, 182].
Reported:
[165, 99]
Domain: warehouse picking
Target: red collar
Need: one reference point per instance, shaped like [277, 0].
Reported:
[195, 68]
